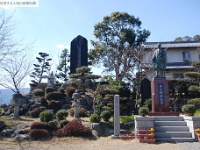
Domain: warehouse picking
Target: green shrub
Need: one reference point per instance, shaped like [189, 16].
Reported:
[148, 104]
[36, 112]
[197, 113]
[48, 90]
[61, 114]
[188, 109]
[63, 123]
[61, 91]
[143, 111]
[105, 115]
[195, 101]
[55, 96]
[36, 134]
[46, 116]
[95, 118]
[82, 112]
[52, 125]
[38, 92]
[126, 119]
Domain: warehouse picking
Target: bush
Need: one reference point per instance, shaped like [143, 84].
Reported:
[195, 101]
[188, 109]
[63, 123]
[37, 134]
[55, 96]
[39, 125]
[126, 119]
[70, 90]
[95, 118]
[82, 112]
[76, 128]
[143, 111]
[36, 112]
[43, 102]
[197, 113]
[105, 115]
[148, 104]
[48, 90]
[61, 114]
[38, 92]
[54, 105]
[46, 116]
[52, 125]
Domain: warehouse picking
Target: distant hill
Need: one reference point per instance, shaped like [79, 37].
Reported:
[6, 95]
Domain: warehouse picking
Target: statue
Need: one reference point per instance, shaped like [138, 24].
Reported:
[159, 60]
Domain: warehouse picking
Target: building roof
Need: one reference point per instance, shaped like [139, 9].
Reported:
[179, 65]
[172, 44]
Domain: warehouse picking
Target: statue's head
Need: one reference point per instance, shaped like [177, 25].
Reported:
[159, 45]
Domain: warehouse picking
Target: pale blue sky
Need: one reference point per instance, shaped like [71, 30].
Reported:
[56, 23]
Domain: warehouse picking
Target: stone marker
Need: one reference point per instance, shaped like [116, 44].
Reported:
[116, 117]
[76, 106]
[16, 99]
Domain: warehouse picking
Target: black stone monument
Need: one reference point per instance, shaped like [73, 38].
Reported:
[145, 90]
[79, 53]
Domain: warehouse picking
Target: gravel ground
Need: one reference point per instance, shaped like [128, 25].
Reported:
[190, 145]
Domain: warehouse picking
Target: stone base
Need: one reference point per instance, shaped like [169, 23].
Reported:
[115, 137]
[163, 114]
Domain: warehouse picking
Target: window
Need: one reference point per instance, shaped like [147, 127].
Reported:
[180, 75]
[186, 56]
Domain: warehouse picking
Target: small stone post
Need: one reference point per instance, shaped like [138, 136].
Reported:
[76, 106]
[16, 99]
[116, 117]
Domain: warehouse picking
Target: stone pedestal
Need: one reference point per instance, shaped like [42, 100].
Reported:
[116, 117]
[160, 98]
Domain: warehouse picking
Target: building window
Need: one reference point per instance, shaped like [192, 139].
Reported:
[186, 56]
[178, 75]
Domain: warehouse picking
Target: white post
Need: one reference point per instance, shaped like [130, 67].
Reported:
[116, 117]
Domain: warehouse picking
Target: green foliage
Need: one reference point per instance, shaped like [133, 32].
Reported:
[148, 104]
[197, 113]
[95, 118]
[188, 109]
[61, 114]
[55, 96]
[195, 102]
[193, 75]
[118, 35]
[52, 125]
[143, 111]
[194, 88]
[38, 92]
[46, 116]
[126, 119]
[37, 134]
[63, 123]
[63, 67]
[105, 115]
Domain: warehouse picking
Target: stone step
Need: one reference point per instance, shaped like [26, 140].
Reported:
[169, 134]
[170, 128]
[176, 139]
[168, 118]
[170, 123]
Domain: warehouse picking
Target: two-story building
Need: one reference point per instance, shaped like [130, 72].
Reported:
[180, 56]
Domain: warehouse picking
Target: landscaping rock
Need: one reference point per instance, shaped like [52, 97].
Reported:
[7, 132]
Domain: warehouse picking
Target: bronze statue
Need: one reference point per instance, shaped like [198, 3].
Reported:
[159, 60]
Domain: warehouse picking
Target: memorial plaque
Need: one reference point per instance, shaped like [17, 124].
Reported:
[161, 97]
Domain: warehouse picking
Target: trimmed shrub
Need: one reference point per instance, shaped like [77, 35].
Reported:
[36, 112]
[82, 112]
[148, 104]
[126, 119]
[46, 116]
[95, 118]
[39, 125]
[197, 113]
[61, 91]
[59, 133]
[36, 134]
[63, 123]
[61, 114]
[24, 131]
[188, 109]
[195, 101]
[143, 111]
[70, 90]
[76, 128]
[43, 102]
[54, 105]
[48, 90]
[105, 115]
[38, 92]
[52, 125]
[55, 96]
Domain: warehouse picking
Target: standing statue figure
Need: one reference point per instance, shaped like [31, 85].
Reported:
[159, 61]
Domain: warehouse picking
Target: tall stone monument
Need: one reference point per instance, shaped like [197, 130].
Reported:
[159, 86]
[79, 53]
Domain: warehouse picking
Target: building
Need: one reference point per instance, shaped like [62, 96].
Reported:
[180, 56]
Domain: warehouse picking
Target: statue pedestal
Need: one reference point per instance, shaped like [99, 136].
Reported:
[160, 98]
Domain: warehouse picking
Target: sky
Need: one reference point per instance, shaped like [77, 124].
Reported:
[54, 24]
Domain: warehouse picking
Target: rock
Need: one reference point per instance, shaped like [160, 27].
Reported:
[2, 125]
[96, 129]
[7, 132]
[22, 136]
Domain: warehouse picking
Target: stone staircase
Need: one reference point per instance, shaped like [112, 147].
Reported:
[171, 129]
